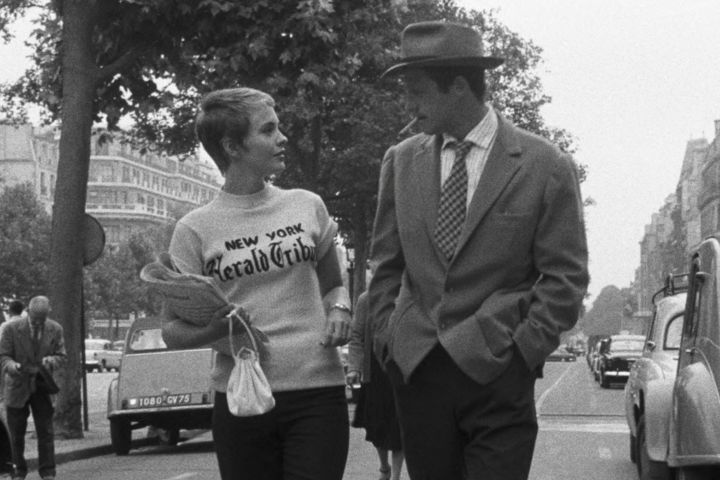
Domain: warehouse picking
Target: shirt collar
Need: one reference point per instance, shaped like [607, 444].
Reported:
[482, 134]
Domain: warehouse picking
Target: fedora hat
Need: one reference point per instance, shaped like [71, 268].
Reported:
[441, 44]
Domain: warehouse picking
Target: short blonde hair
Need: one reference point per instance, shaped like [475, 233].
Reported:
[226, 114]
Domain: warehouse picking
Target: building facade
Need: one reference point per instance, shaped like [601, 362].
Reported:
[129, 189]
[709, 202]
[698, 198]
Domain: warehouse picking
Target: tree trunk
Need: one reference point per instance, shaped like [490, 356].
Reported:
[66, 255]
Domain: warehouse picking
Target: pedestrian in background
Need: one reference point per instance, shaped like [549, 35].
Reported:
[481, 264]
[15, 311]
[26, 345]
[271, 252]
[375, 409]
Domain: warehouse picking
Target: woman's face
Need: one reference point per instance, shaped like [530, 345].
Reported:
[264, 145]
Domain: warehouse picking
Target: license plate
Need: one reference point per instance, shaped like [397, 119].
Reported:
[170, 400]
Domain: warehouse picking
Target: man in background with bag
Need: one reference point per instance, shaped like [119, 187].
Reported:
[31, 349]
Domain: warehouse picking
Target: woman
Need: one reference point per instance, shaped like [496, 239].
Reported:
[271, 251]
[375, 410]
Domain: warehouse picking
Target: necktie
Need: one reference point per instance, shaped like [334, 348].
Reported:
[453, 203]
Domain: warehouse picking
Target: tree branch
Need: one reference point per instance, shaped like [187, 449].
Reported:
[120, 64]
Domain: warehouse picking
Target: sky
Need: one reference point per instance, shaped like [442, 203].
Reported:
[633, 80]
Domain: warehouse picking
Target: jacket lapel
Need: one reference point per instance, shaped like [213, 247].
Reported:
[502, 163]
[25, 340]
[427, 169]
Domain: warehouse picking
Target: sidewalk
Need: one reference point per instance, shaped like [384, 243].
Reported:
[362, 462]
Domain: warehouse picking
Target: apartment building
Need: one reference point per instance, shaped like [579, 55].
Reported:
[129, 189]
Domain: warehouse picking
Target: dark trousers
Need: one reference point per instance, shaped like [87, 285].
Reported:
[454, 428]
[305, 436]
[42, 411]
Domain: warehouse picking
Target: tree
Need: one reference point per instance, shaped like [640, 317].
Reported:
[112, 285]
[606, 315]
[24, 243]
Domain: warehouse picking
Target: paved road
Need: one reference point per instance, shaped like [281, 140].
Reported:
[582, 435]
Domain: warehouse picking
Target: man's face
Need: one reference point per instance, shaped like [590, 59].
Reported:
[425, 101]
[37, 319]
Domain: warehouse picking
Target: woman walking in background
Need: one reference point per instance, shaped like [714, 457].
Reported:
[375, 410]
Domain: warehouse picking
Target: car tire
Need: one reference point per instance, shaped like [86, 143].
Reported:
[648, 469]
[120, 435]
[169, 436]
[697, 473]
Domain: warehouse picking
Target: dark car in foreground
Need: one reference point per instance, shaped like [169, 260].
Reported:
[167, 390]
[616, 357]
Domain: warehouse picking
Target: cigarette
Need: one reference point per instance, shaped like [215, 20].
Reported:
[407, 127]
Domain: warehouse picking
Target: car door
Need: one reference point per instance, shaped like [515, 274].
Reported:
[695, 425]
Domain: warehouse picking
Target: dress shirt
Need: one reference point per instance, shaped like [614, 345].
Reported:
[481, 136]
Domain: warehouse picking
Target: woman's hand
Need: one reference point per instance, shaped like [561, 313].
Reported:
[337, 328]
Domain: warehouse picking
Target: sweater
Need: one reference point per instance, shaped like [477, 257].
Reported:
[262, 251]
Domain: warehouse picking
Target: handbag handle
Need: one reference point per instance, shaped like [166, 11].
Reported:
[247, 329]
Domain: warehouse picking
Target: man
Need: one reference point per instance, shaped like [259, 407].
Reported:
[481, 264]
[25, 345]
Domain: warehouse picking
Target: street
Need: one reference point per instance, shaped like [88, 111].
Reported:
[583, 434]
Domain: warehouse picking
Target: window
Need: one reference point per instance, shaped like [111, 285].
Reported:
[126, 174]
[43, 184]
[673, 333]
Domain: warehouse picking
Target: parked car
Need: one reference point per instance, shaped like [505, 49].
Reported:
[682, 415]
[93, 346]
[111, 358]
[561, 355]
[658, 362]
[158, 387]
[617, 354]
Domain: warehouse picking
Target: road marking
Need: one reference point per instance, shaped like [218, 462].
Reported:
[541, 400]
[584, 427]
[183, 476]
[605, 453]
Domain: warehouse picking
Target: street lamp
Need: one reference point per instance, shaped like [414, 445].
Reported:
[350, 257]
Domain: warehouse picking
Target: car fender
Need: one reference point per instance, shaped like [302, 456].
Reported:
[658, 410]
[112, 397]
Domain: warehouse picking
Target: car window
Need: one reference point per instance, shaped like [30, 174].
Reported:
[147, 340]
[673, 333]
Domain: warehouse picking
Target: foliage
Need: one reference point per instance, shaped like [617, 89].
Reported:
[24, 243]
[112, 285]
[605, 316]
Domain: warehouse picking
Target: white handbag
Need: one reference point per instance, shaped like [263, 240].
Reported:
[248, 391]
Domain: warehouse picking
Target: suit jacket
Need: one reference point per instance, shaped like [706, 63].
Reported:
[519, 274]
[16, 345]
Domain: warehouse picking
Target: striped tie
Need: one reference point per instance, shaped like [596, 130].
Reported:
[453, 203]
